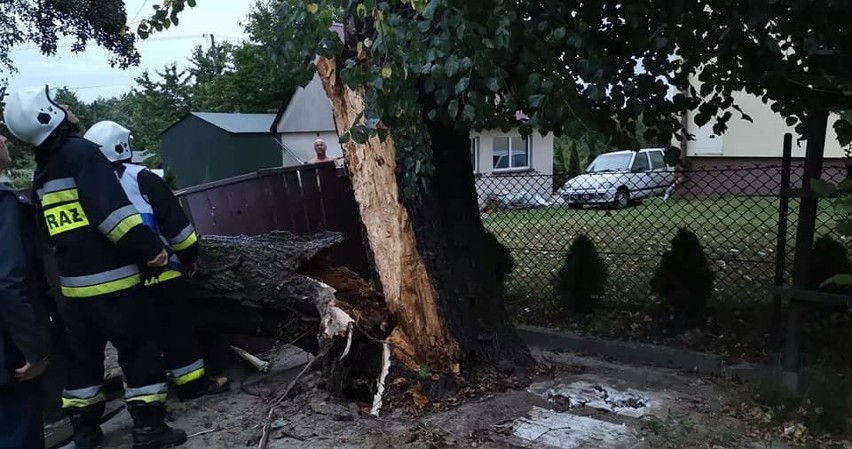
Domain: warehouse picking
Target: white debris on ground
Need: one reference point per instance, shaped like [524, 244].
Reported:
[547, 428]
[630, 402]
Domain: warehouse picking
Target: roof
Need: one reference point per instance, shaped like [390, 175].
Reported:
[234, 123]
[308, 110]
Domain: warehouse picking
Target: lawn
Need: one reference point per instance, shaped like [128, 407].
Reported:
[739, 235]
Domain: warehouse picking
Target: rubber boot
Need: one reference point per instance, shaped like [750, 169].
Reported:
[206, 386]
[149, 427]
[86, 424]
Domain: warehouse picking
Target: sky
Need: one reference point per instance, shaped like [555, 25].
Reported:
[89, 74]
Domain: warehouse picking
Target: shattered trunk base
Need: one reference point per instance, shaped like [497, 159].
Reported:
[279, 286]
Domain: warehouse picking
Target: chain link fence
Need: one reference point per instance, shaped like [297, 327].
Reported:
[633, 216]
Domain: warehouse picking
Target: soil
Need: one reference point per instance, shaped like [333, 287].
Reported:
[567, 402]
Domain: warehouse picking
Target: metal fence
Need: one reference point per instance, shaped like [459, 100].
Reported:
[632, 218]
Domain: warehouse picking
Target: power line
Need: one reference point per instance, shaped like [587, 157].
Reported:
[150, 39]
[135, 16]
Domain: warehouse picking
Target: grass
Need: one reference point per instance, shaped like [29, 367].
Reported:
[739, 235]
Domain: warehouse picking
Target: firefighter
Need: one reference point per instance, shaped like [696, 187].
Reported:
[162, 212]
[103, 253]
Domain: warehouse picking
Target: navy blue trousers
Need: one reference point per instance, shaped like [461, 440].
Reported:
[21, 421]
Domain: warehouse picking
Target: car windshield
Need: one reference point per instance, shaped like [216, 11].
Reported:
[610, 162]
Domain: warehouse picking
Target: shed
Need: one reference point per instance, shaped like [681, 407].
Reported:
[205, 146]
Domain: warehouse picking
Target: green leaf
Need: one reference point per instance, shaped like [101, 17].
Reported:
[493, 84]
[702, 119]
[452, 66]
[469, 112]
[462, 85]
[559, 33]
[842, 280]
[383, 134]
[535, 100]
[191, 3]
[345, 138]
[360, 134]
[844, 227]
[823, 188]
[453, 109]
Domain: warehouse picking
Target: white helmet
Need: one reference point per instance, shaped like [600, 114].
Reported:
[113, 139]
[31, 115]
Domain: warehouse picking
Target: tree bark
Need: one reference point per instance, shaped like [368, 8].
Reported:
[280, 285]
[444, 296]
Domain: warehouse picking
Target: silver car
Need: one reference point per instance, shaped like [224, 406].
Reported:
[620, 177]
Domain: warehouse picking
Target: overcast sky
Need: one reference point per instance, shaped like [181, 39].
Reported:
[90, 75]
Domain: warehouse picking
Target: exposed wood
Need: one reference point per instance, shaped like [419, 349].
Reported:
[408, 290]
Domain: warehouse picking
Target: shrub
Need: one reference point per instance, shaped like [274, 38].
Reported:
[829, 258]
[684, 279]
[583, 276]
[500, 256]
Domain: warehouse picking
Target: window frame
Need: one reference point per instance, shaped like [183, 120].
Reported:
[662, 159]
[527, 147]
[474, 153]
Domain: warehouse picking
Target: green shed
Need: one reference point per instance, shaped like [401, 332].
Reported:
[206, 146]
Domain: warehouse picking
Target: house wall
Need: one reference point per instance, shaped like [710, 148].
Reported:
[538, 178]
[302, 144]
[764, 137]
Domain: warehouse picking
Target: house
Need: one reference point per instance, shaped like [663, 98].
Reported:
[745, 143]
[746, 158]
[204, 147]
[302, 119]
[503, 162]
[506, 163]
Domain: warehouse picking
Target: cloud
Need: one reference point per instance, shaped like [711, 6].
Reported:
[90, 75]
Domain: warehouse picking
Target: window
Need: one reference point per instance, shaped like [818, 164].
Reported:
[658, 161]
[511, 153]
[474, 153]
[641, 164]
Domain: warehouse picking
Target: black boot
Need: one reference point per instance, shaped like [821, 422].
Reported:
[86, 424]
[206, 386]
[149, 427]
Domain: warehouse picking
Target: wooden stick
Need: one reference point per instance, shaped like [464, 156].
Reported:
[261, 366]
[264, 438]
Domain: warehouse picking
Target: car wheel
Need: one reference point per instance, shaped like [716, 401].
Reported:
[622, 198]
[575, 206]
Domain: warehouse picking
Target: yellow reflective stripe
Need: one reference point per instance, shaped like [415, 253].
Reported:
[189, 377]
[82, 403]
[101, 289]
[189, 241]
[60, 197]
[65, 218]
[164, 276]
[124, 226]
[148, 398]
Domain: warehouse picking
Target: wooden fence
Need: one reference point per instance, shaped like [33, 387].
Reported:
[303, 200]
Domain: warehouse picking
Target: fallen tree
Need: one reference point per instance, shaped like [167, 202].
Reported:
[280, 285]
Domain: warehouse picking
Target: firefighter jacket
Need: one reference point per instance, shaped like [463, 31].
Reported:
[102, 245]
[161, 211]
[25, 304]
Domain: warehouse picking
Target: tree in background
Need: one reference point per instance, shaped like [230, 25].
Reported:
[574, 162]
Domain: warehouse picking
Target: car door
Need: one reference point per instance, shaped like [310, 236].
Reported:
[640, 176]
[661, 175]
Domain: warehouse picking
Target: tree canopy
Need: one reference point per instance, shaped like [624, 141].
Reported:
[575, 67]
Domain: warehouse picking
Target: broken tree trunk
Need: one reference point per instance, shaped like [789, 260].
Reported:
[443, 295]
[278, 285]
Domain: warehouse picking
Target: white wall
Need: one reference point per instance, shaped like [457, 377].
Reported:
[302, 144]
[764, 137]
[541, 153]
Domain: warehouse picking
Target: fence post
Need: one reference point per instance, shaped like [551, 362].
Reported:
[815, 130]
[781, 244]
